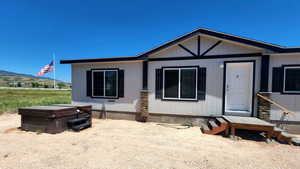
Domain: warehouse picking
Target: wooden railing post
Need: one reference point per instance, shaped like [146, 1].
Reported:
[264, 107]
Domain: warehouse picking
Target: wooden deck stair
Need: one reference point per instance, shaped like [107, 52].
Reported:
[284, 137]
[218, 125]
[215, 126]
[79, 123]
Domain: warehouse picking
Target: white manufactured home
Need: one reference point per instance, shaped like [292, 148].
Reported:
[199, 75]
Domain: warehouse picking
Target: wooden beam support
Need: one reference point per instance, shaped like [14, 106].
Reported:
[198, 46]
[186, 49]
[209, 49]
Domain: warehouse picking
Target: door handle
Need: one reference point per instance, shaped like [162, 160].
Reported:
[227, 87]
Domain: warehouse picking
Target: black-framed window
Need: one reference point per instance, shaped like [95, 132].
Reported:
[291, 79]
[180, 83]
[105, 83]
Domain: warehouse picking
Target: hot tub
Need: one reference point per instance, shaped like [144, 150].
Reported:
[49, 119]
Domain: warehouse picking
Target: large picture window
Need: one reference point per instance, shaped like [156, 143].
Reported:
[180, 83]
[292, 79]
[105, 83]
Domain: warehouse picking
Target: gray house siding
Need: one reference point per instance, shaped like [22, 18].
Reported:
[212, 105]
[166, 57]
[132, 84]
[291, 101]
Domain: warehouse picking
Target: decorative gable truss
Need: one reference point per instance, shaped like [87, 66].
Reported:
[202, 46]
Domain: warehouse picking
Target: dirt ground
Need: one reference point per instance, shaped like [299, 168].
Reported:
[112, 144]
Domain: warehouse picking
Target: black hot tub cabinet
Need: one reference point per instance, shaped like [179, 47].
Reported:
[49, 119]
[82, 110]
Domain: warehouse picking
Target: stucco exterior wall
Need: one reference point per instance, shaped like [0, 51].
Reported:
[212, 105]
[292, 102]
[132, 86]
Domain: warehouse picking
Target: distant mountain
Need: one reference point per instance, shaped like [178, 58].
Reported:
[4, 72]
[12, 79]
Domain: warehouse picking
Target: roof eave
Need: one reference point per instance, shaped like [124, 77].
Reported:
[101, 60]
[290, 50]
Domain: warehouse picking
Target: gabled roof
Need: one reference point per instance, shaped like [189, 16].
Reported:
[221, 35]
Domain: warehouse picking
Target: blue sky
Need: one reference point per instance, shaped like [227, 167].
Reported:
[31, 30]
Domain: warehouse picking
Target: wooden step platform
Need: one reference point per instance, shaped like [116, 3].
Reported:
[214, 126]
[249, 123]
[228, 125]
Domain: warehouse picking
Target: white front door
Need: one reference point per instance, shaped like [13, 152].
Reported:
[239, 88]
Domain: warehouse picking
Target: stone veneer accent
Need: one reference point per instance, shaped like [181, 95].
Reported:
[143, 115]
[263, 107]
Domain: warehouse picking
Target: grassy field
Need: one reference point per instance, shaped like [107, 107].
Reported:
[11, 100]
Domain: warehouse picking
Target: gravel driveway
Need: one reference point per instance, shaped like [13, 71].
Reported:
[114, 144]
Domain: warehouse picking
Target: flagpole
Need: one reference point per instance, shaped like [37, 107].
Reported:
[54, 67]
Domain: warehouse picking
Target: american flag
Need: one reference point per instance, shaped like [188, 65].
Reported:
[46, 69]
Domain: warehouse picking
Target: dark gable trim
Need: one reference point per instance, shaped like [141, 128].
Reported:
[241, 40]
[171, 43]
[101, 60]
[187, 50]
[198, 45]
[207, 57]
[211, 48]
[253, 84]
